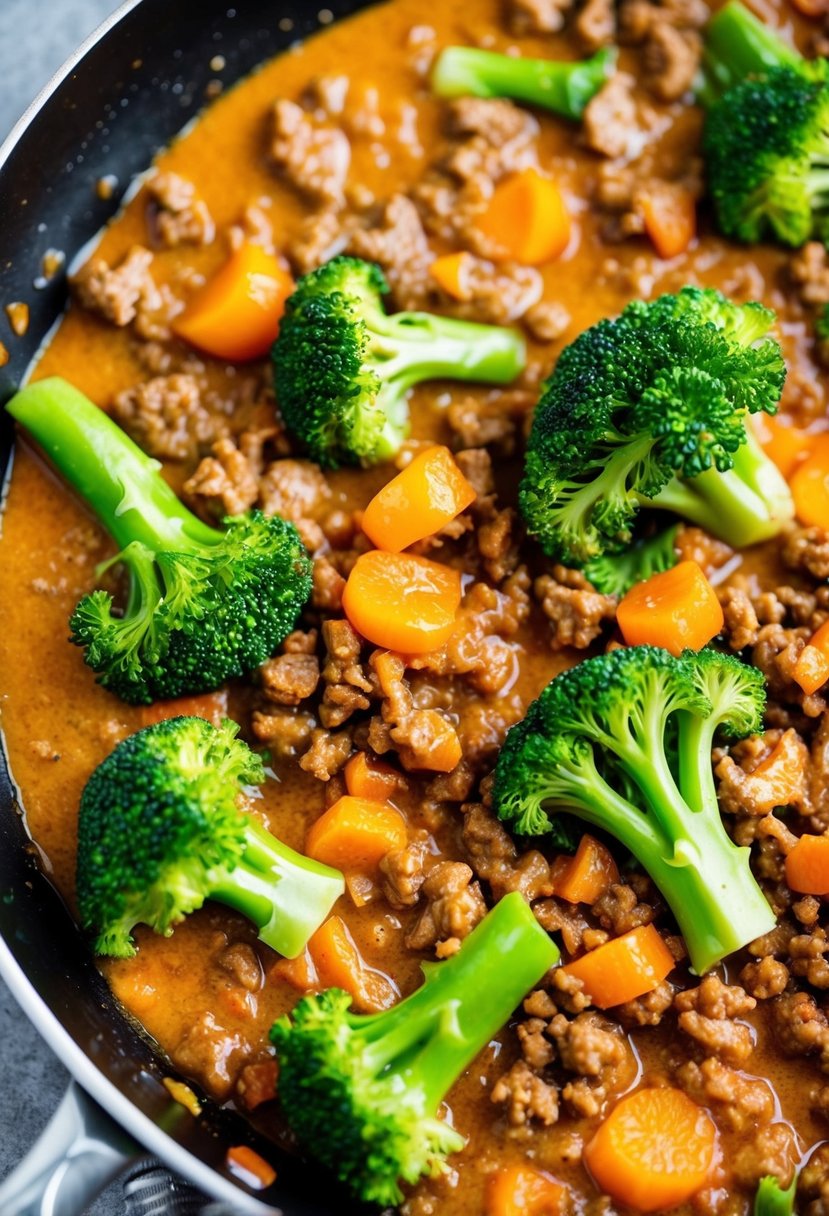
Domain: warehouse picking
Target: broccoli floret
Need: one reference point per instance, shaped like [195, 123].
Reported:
[649, 409]
[343, 367]
[564, 88]
[617, 573]
[766, 135]
[361, 1092]
[160, 830]
[623, 741]
[772, 1200]
[202, 605]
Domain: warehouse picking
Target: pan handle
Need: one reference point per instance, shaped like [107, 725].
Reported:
[80, 1151]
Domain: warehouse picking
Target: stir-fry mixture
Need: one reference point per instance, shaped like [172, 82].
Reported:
[414, 624]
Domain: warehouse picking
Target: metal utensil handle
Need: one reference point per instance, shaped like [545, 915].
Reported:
[79, 1153]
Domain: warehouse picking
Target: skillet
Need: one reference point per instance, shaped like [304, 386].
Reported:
[126, 92]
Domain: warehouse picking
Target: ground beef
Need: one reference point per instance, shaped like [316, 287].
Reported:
[741, 628]
[809, 271]
[289, 678]
[178, 216]
[286, 731]
[327, 586]
[615, 122]
[707, 1013]
[242, 963]
[807, 961]
[496, 293]
[327, 754]
[695, 545]
[547, 320]
[320, 236]
[671, 44]
[495, 857]
[587, 1044]
[577, 614]
[413, 732]
[741, 792]
[619, 909]
[739, 1101]
[537, 16]
[492, 421]
[454, 906]
[595, 25]
[117, 293]
[647, 1010]
[312, 156]
[212, 1054]
[776, 652]
[627, 191]
[402, 872]
[772, 1149]
[559, 916]
[526, 1096]
[807, 549]
[349, 684]
[165, 416]
[396, 241]
[224, 483]
[296, 490]
[764, 979]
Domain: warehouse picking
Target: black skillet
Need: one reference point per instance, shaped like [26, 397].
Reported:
[125, 94]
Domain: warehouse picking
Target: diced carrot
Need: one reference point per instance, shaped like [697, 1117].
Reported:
[655, 1149]
[445, 751]
[252, 1169]
[809, 484]
[527, 219]
[776, 781]
[670, 218]
[450, 273]
[428, 494]
[786, 445]
[299, 972]
[356, 834]
[236, 314]
[339, 964]
[236, 1001]
[623, 968]
[257, 1083]
[371, 778]
[402, 602]
[811, 670]
[677, 609]
[811, 8]
[209, 705]
[588, 874]
[522, 1190]
[807, 866]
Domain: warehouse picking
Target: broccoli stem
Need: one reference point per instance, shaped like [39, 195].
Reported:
[286, 895]
[108, 470]
[415, 346]
[737, 45]
[564, 88]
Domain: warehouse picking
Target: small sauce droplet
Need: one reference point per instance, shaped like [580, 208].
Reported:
[18, 314]
[4, 355]
[106, 186]
[217, 63]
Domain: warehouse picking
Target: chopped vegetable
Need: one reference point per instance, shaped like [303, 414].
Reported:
[670, 220]
[356, 834]
[564, 88]
[402, 602]
[527, 219]
[776, 780]
[772, 1200]
[371, 778]
[202, 605]
[375, 1083]
[252, 1169]
[428, 494]
[343, 367]
[677, 609]
[807, 866]
[236, 314]
[787, 445]
[522, 1190]
[623, 968]
[588, 874]
[182, 1094]
[616, 573]
[339, 964]
[811, 670]
[160, 831]
[450, 273]
[810, 485]
[654, 1151]
[623, 741]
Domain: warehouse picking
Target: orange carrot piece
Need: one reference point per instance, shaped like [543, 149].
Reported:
[371, 778]
[247, 1165]
[339, 964]
[257, 1083]
[807, 866]
[776, 781]
[783, 443]
[356, 834]
[811, 669]
[588, 874]
[677, 609]
[428, 494]
[624, 968]
[445, 750]
[809, 484]
[236, 314]
[670, 220]
[450, 272]
[299, 972]
[402, 602]
[209, 705]
[655, 1149]
[522, 1190]
[527, 219]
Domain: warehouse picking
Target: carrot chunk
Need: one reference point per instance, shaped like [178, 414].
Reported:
[527, 219]
[339, 964]
[588, 874]
[253, 1170]
[677, 609]
[624, 968]
[450, 272]
[236, 314]
[428, 494]
[403, 602]
[807, 866]
[809, 484]
[654, 1150]
[786, 445]
[299, 972]
[777, 780]
[356, 834]
[670, 219]
[522, 1190]
[211, 706]
[371, 778]
[257, 1083]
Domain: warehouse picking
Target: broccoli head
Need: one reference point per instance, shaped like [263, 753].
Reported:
[202, 605]
[623, 741]
[361, 1092]
[649, 409]
[160, 830]
[343, 367]
[616, 573]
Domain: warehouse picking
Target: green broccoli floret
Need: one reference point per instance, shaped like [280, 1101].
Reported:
[361, 1092]
[343, 367]
[160, 831]
[623, 741]
[201, 605]
[564, 88]
[772, 1200]
[649, 409]
[766, 135]
[614, 574]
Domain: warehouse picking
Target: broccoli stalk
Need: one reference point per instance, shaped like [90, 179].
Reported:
[202, 605]
[617, 573]
[623, 741]
[739, 45]
[343, 367]
[160, 831]
[649, 409]
[772, 1200]
[564, 88]
[361, 1092]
